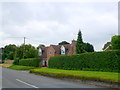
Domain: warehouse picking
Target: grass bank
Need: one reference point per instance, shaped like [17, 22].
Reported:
[5, 65]
[82, 75]
[18, 67]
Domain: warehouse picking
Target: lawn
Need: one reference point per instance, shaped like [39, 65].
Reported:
[82, 75]
[5, 65]
[18, 67]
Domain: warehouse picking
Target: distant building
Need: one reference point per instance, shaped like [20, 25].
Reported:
[106, 46]
[55, 50]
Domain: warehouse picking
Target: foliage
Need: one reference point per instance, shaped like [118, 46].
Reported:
[79, 44]
[26, 51]
[16, 62]
[115, 42]
[95, 61]
[9, 52]
[18, 67]
[83, 75]
[30, 62]
[82, 47]
[63, 43]
[41, 45]
[88, 47]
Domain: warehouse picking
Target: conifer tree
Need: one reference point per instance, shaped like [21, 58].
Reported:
[79, 44]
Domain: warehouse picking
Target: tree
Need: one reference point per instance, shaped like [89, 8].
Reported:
[88, 47]
[9, 51]
[41, 46]
[28, 51]
[79, 44]
[63, 43]
[115, 42]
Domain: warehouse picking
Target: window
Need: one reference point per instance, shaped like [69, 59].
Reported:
[62, 50]
[40, 51]
[50, 51]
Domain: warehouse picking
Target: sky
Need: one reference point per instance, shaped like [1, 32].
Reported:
[52, 22]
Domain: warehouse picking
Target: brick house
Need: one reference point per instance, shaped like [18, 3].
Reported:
[55, 50]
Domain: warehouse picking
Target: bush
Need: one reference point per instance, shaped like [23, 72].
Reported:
[115, 42]
[34, 62]
[16, 62]
[95, 61]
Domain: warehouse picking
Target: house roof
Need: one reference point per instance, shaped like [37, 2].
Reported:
[106, 45]
[57, 48]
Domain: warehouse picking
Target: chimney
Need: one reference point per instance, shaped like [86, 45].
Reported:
[73, 41]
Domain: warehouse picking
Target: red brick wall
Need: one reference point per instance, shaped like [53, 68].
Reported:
[71, 52]
[48, 53]
[9, 61]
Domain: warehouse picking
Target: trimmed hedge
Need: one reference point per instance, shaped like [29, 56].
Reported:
[16, 62]
[34, 62]
[95, 61]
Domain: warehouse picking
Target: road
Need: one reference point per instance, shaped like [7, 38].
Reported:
[23, 79]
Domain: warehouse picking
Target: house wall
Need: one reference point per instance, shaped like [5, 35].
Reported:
[73, 48]
[9, 61]
[48, 53]
[50, 48]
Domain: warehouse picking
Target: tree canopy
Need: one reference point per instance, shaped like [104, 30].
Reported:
[63, 42]
[9, 51]
[41, 45]
[79, 44]
[115, 42]
[82, 47]
[24, 51]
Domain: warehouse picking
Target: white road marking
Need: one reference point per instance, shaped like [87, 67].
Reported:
[27, 83]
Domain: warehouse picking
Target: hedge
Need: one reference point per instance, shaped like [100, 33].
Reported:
[16, 62]
[30, 62]
[95, 61]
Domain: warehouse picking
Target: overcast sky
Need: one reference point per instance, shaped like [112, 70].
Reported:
[52, 22]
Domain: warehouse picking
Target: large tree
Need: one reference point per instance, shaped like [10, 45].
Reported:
[41, 46]
[115, 42]
[88, 47]
[26, 51]
[82, 47]
[9, 51]
[63, 42]
[79, 44]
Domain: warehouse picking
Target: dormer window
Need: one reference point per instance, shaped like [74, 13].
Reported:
[62, 50]
[50, 51]
[40, 51]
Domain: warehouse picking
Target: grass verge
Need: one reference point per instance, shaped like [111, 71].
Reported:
[5, 65]
[18, 67]
[110, 77]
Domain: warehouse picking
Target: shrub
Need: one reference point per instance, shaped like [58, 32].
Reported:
[34, 62]
[16, 62]
[95, 61]
[115, 42]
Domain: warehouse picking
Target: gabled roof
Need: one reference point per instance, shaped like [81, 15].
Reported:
[106, 46]
[57, 48]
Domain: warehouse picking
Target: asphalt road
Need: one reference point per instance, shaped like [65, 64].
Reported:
[23, 79]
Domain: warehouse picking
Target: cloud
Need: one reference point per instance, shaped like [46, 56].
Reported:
[50, 23]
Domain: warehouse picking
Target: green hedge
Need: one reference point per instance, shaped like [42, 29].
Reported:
[16, 62]
[95, 61]
[30, 62]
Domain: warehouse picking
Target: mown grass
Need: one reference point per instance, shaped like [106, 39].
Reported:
[18, 67]
[5, 65]
[82, 75]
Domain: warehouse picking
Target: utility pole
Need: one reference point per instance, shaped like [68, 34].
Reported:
[24, 48]
[23, 44]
